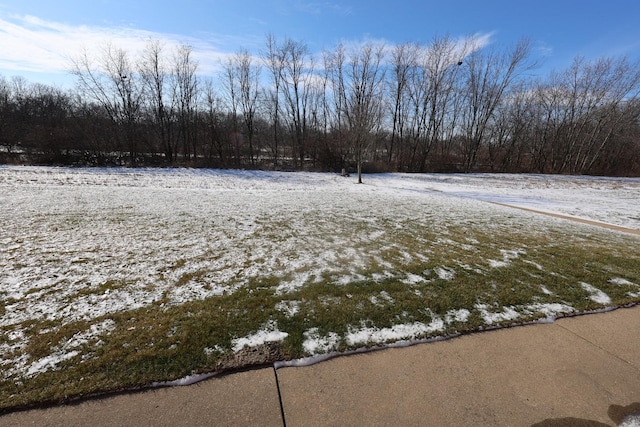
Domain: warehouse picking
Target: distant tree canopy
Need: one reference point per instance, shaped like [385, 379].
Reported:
[438, 107]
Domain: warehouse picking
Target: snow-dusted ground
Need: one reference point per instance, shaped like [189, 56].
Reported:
[604, 199]
[77, 244]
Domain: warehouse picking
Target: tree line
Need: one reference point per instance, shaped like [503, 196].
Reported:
[444, 106]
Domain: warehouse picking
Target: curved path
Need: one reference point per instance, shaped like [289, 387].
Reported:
[572, 218]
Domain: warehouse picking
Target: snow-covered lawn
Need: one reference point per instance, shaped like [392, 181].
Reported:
[159, 264]
[604, 199]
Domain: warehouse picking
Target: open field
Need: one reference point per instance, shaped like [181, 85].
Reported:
[118, 278]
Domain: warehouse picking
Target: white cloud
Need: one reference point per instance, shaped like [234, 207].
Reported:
[461, 46]
[31, 44]
[476, 41]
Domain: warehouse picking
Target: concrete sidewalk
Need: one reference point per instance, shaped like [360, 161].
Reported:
[583, 370]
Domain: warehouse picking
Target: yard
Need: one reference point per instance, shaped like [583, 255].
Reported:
[114, 279]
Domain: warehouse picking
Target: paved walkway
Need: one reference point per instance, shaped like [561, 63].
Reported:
[583, 370]
[575, 219]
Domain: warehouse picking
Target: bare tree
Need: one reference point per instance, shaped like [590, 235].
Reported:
[157, 81]
[297, 71]
[404, 60]
[214, 141]
[546, 100]
[248, 83]
[274, 61]
[358, 89]
[242, 82]
[512, 129]
[580, 112]
[186, 93]
[229, 78]
[431, 91]
[489, 75]
[116, 87]
[443, 58]
[593, 101]
[335, 104]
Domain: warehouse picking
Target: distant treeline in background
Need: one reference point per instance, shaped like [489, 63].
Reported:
[438, 107]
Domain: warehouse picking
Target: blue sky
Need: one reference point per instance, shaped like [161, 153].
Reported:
[38, 36]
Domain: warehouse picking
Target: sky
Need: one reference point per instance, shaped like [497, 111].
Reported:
[38, 37]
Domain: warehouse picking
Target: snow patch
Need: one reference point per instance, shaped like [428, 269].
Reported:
[268, 333]
[314, 343]
[596, 294]
[294, 284]
[624, 282]
[545, 290]
[388, 298]
[461, 315]
[535, 264]
[288, 308]
[373, 335]
[380, 300]
[50, 362]
[632, 420]
[507, 313]
[445, 273]
[549, 309]
[621, 281]
[188, 380]
[507, 256]
[68, 349]
[413, 279]
[497, 264]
